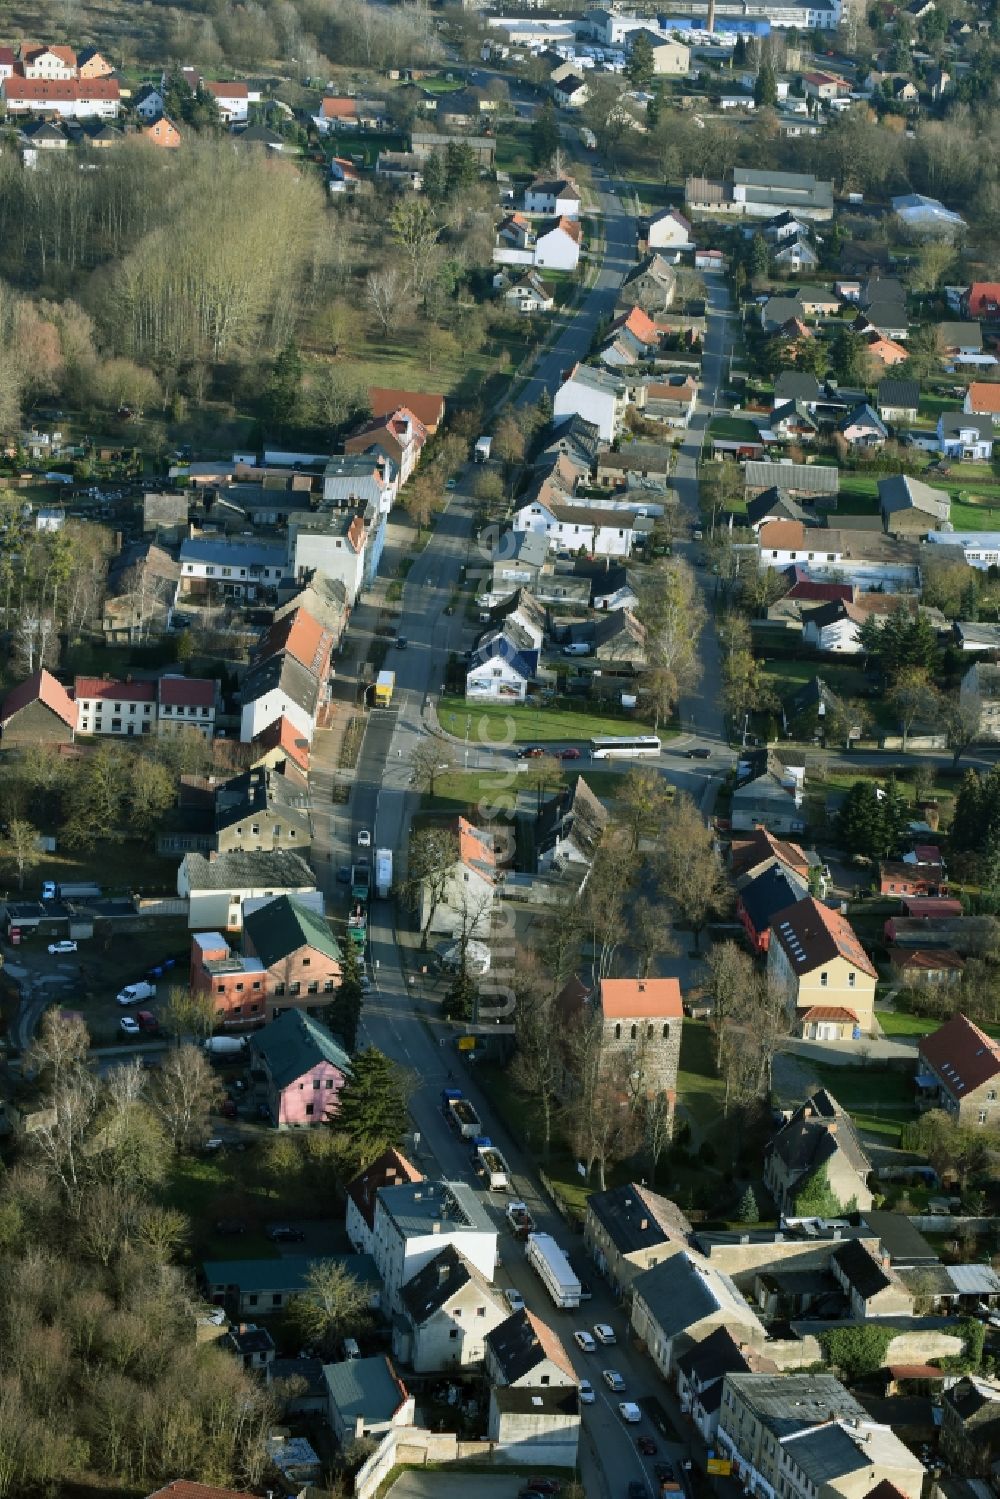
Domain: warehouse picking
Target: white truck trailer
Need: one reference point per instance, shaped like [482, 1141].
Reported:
[383, 872]
[553, 1269]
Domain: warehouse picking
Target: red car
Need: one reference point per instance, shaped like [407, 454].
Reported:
[530, 752]
[148, 1022]
[569, 754]
[646, 1446]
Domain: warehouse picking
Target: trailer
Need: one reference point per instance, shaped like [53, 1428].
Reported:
[385, 684]
[489, 1165]
[383, 872]
[553, 1269]
[483, 448]
[361, 880]
[460, 1114]
[520, 1219]
[357, 926]
[82, 890]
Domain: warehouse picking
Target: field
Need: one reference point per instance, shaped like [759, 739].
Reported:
[497, 727]
[974, 489]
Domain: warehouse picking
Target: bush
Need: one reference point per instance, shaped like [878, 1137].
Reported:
[856, 1351]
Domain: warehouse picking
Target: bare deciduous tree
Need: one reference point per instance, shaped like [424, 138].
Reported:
[187, 1091]
[383, 295]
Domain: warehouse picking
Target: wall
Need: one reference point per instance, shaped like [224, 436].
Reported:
[414, 1447]
[167, 906]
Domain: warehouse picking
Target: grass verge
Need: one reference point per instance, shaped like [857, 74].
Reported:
[523, 725]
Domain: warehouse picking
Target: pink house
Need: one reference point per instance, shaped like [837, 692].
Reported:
[304, 1069]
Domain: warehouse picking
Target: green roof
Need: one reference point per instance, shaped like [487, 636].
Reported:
[293, 1043]
[283, 926]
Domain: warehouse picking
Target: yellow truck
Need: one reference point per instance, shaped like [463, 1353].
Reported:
[384, 684]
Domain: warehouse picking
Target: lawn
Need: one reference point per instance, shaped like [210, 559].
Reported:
[208, 1189]
[458, 372]
[879, 1101]
[498, 727]
[119, 868]
[898, 1023]
[973, 487]
[514, 150]
[699, 1087]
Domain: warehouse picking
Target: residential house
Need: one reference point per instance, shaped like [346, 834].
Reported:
[671, 400]
[390, 1169]
[911, 876]
[880, 349]
[761, 898]
[636, 460]
[982, 301]
[980, 690]
[983, 399]
[336, 541]
[220, 889]
[768, 795]
[970, 1426]
[535, 1427]
[414, 1221]
[525, 1353]
[865, 558]
[142, 582]
[447, 1312]
[301, 956]
[616, 636]
[38, 710]
[212, 568]
[70, 99]
[593, 529]
[48, 63]
[576, 438]
[806, 1433]
[650, 285]
[465, 905]
[232, 100]
[751, 855]
[967, 437]
[898, 400]
[701, 1372]
[365, 1399]
[399, 437]
[629, 1229]
[279, 687]
[818, 1136]
[836, 626]
[872, 1287]
[337, 113]
[761, 194]
[302, 1067]
[261, 810]
[795, 255]
[793, 422]
[863, 427]
[568, 830]
[962, 344]
[402, 169]
[975, 635]
[529, 294]
[502, 665]
[427, 406]
[570, 92]
[632, 337]
[518, 560]
[680, 1302]
[925, 967]
[557, 244]
[911, 508]
[233, 983]
[596, 395]
[252, 1346]
[149, 103]
[828, 979]
[342, 175]
[248, 1288]
[668, 230]
[557, 197]
[8, 62]
[163, 133]
[671, 58]
[107, 707]
[960, 1066]
[773, 504]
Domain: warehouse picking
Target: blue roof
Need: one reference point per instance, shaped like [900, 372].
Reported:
[525, 663]
[769, 893]
[233, 553]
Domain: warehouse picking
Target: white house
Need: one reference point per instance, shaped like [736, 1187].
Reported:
[557, 197]
[601, 532]
[414, 1221]
[966, 436]
[330, 542]
[448, 1311]
[570, 92]
[500, 669]
[557, 244]
[981, 548]
[529, 294]
[130, 709]
[71, 99]
[237, 568]
[149, 104]
[49, 63]
[668, 230]
[464, 903]
[217, 887]
[596, 395]
[232, 100]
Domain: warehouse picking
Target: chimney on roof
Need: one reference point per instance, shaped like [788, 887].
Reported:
[437, 1226]
[807, 1112]
[644, 1223]
[831, 1128]
[442, 1274]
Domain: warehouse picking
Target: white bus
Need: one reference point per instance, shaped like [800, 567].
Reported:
[622, 748]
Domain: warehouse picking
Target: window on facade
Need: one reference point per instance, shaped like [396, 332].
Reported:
[328, 987]
[982, 1116]
[279, 989]
[295, 988]
[329, 1083]
[618, 1032]
[306, 962]
[824, 979]
[850, 980]
[649, 1033]
[453, 1333]
[666, 1033]
[275, 1299]
[634, 1032]
[313, 987]
[310, 1109]
[252, 1300]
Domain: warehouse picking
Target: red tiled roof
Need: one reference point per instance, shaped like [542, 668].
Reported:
[962, 1055]
[782, 535]
[389, 1170]
[107, 689]
[653, 998]
[746, 853]
[339, 109]
[7, 58]
[475, 848]
[983, 296]
[183, 1488]
[984, 397]
[302, 636]
[811, 934]
[806, 588]
[187, 692]
[221, 90]
[65, 55]
[912, 1371]
[830, 1012]
[282, 734]
[926, 959]
[427, 406]
[927, 907]
[54, 90]
[42, 688]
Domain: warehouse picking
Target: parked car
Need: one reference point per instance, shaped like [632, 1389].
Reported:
[230, 1227]
[663, 1472]
[364, 838]
[646, 1446]
[514, 1299]
[613, 1380]
[699, 754]
[148, 1022]
[130, 1025]
[587, 1396]
[530, 752]
[584, 1342]
[570, 753]
[228, 1108]
[402, 642]
[604, 1334]
[64, 946]
[283, 1233]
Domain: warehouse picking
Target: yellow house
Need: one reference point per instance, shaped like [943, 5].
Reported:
[817, 961]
